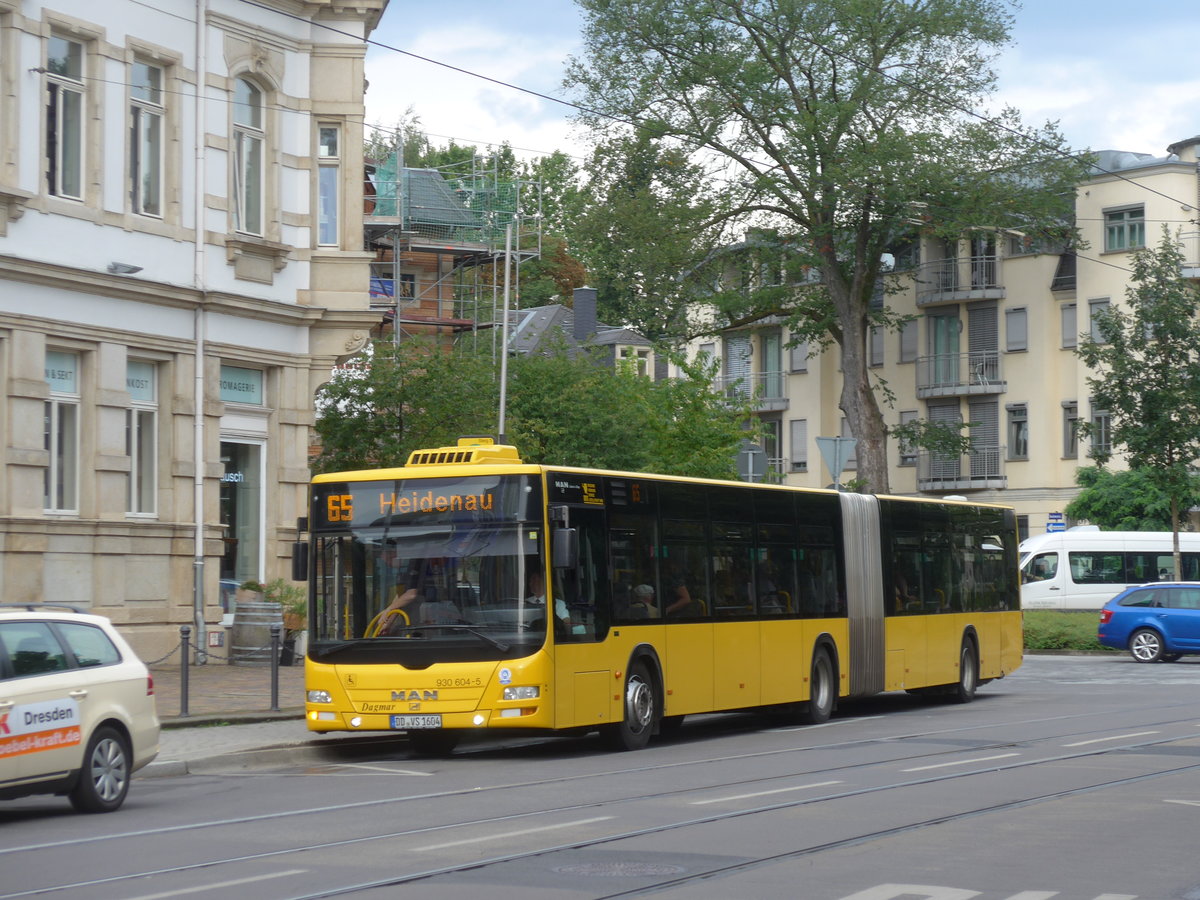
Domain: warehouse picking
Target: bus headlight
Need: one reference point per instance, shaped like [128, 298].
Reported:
[319, 697]
[522, 693]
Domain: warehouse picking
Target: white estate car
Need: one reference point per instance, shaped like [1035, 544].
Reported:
[77, 713]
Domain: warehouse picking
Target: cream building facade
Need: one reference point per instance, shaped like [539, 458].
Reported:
[181, 266]
[992, 343]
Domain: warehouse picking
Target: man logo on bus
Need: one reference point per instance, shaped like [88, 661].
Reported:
[414, 695]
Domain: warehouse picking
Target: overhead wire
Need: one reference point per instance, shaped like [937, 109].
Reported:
[633, 123]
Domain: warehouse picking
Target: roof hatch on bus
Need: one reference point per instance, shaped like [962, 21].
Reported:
[470, 451]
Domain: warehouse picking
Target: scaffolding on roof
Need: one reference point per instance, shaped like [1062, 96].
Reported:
[439, 235]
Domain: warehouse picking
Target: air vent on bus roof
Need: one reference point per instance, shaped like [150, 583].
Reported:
[470, 451]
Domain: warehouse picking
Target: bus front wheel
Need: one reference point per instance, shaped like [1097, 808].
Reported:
[639, 710]
[821, 690]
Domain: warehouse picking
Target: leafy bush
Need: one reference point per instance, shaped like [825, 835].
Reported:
[292, 597]
[1054, 629]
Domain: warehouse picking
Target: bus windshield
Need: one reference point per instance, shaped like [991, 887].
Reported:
[418, 587]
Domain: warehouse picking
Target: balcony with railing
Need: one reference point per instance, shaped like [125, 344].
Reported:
[960, 374]
[978, 469]
[765, 391]
[957, 279]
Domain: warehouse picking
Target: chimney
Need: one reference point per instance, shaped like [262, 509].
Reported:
[585, 314]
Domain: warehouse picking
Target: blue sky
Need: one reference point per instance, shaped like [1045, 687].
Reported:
[1115, 74]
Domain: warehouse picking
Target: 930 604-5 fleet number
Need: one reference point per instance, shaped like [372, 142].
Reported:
[459, 682]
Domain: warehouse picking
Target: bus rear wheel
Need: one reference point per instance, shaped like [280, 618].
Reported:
[639, 712]
[821, 690]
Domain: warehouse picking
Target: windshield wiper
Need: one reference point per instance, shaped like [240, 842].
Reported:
[499, 645]
[411, 630]
[334, 648]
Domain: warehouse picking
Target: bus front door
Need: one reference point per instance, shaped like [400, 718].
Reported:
[583, 668]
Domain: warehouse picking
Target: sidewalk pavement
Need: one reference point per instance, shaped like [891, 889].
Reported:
[220, 692]
[230, 717]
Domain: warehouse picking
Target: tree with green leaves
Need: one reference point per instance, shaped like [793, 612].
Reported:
[838, 122]
[646, 229]
[1126, 500]
[1146, 360]
[572, 410]
[392, 399]
[693, 430]
[561, 409]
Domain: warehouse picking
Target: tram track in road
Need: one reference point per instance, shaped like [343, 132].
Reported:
[943, 734]
[1089, 747]
[742, 865]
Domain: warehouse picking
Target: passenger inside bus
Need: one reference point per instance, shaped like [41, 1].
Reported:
[681, 604]
[904, 594]
[643, 605]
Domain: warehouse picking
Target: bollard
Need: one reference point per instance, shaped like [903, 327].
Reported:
[276, 628]
[185, 633]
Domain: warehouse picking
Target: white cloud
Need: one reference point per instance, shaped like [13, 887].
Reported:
[1111, 77]
[469, 109]
[1114, 76]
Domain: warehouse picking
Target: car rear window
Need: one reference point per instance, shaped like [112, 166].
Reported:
[90, 645]
[1138, 598]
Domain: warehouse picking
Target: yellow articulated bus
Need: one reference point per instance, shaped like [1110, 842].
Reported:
[468, 591]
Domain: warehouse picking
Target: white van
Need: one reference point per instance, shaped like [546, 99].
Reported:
[1083, 568]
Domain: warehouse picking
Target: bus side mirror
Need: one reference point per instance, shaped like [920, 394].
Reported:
[299, 561]
[564, 551]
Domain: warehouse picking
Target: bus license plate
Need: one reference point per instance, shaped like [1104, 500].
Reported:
[416, 721]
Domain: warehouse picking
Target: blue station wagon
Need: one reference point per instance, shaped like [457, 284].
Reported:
[1157, 622]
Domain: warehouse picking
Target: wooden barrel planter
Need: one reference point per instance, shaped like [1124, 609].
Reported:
[250, 637]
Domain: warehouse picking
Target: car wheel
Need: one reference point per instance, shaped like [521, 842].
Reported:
[638, 712]
[968, 674]
[1146, 646]
[104, 778]
[821, 689]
